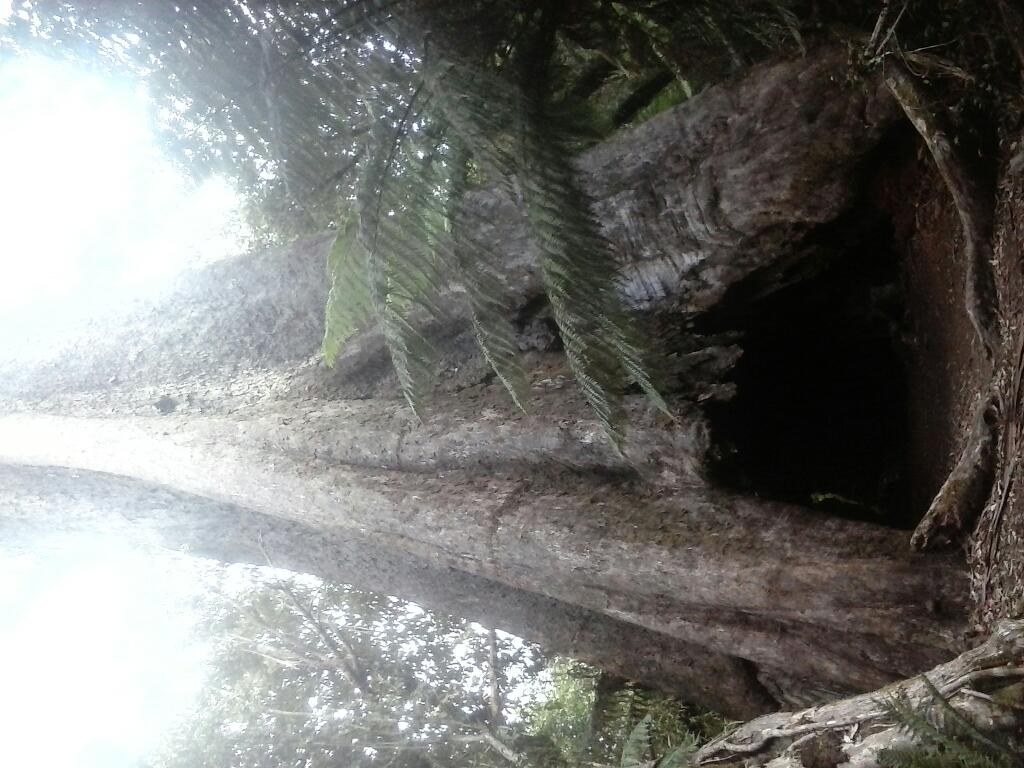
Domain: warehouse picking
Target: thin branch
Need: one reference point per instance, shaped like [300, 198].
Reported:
[288, 713]
[892, 30]
[494, 673]
[350, 665]
[339, 175]
[401, 130]
[872, 47]
[287, 663]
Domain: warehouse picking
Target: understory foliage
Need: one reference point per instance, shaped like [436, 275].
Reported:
[302, 673]
[596, 718]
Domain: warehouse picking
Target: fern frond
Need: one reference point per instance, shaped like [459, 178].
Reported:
[484, 294]
[525, 153]
[637, 749]
[493, 331]
[680, 757]
[958, 724]
[579, 269]
[348, 299]
[632, 353]
[400, 275]
[339, 115]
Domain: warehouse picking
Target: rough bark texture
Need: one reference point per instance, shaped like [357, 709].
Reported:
[731, 188]
[532, 522]
[998, 542]
[47, 506]
[963, 495]
[777, 585]
[972, 201]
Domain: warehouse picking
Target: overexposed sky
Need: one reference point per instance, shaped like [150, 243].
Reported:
[95, 641]
[89, 208]
[98, 656]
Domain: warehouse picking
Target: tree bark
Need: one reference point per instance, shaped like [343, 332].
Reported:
[48, 507]
[528, 523]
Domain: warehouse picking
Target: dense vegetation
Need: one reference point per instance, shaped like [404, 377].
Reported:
[305, 673]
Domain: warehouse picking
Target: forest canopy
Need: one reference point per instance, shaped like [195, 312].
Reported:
[305, 673]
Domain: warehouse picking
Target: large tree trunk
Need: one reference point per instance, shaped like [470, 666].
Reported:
[530, 523]
[65, 503]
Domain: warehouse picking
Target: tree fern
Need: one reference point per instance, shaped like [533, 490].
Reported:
[680, 757]
[348, 301]
[402, 274]
[579, 268]
[626, 715]
[484, 292]
[637, 751]
[413, 243]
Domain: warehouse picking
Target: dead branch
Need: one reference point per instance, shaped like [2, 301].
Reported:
[861, 726]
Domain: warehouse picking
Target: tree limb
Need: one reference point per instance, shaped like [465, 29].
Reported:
[962, 496]
[494, 674]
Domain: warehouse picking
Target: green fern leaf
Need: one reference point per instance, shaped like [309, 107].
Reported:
[637, 749]
[348, 307]
[947, 746]
[680, 757]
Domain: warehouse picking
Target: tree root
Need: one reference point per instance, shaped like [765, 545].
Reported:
[856, 729]
[956, 507]
[962, 497]
[974, 207]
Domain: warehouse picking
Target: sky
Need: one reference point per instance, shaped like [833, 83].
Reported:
[90, 210]
[97, 655]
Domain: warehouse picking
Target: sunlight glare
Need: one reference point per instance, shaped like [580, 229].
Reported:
[99, 653]
[88, 206]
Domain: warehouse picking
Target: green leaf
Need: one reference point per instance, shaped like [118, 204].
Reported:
[679, 757]
[636, 751]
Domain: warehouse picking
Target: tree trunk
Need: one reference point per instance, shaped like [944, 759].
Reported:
[60, 504]
[208, 418]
